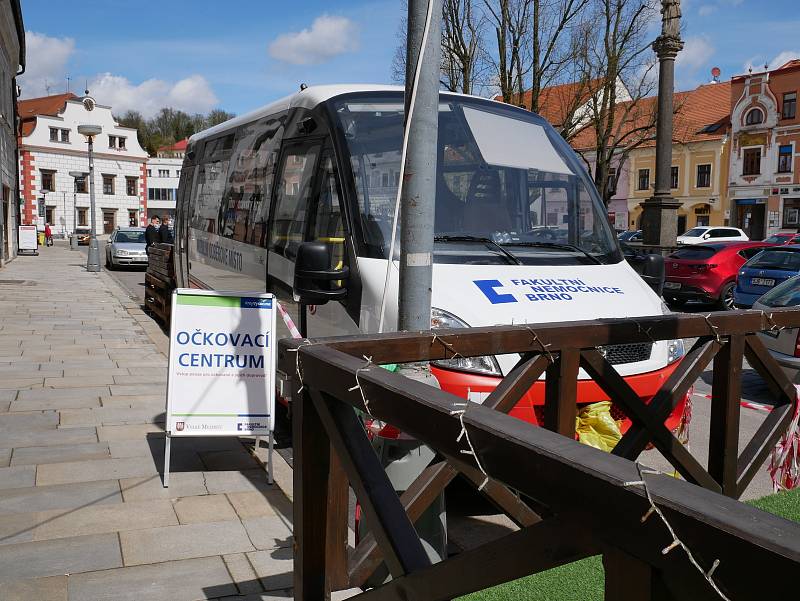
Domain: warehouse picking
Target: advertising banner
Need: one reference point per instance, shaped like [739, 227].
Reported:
[221, 364]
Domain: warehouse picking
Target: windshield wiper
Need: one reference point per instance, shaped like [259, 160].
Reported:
[557, 245]
[487, 241]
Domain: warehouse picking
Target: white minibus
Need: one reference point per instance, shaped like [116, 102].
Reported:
[307, 185]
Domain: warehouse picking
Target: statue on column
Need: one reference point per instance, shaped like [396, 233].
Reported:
[671, 18]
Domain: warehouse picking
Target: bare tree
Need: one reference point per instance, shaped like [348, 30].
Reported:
[555, 43]
[618, 64]
[462, 46]
[510, 20]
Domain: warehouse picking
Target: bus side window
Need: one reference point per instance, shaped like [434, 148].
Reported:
[327, 221]
[292, 195]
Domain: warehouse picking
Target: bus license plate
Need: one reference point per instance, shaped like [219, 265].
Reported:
[672, 285]
[762, 282]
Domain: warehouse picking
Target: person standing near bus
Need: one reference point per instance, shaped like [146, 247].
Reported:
[151, 235]
[165, 231]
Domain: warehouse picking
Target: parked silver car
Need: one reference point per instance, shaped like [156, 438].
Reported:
[126, 247]
[783, 345]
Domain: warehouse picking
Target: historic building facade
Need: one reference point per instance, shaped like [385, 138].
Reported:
[12, 62]
[765, 155]
[54, 167]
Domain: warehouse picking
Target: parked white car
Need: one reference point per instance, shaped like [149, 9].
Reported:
[698, 235]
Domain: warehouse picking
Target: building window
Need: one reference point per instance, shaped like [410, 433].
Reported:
[789, 110]
[673, 178]
[754, 117]
[121, 143]
[54, 134]
[48, 180]
[108, 184]
[163, 173]
[130, 185]
[149, 173]
[161, 193]
[82, 217]
[612, 181]
[177, 173]
[80, 184]
[133, 218]
[785, 156]
[644, 179]
[112, 141]
[65, 135]
[752, 162]
[704, 176]
[791, 212]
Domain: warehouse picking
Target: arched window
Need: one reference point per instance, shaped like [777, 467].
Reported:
[754, 117]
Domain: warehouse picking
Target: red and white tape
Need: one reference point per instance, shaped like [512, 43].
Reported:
[288, 321]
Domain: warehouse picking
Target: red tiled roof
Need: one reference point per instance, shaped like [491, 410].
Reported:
[557, 102]
[176, 147]
[700, 114]
[45, 105]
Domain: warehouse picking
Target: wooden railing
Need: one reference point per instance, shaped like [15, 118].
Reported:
[570, 500]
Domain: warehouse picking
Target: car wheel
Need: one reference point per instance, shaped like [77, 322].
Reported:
[726, 298]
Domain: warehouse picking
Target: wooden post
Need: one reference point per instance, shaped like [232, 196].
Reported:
[310, 508]
[338, 505]
[561, 391]
[723, 442]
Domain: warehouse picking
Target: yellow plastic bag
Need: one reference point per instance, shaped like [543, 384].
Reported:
[595, 426]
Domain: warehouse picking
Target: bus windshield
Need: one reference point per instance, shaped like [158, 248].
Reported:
[500, 177]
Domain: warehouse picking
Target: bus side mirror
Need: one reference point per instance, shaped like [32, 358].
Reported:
[653, 272]
[315, 283]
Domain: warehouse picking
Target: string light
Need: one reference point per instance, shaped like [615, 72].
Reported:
[676, 542]
[446, 345]
[714, 329]
[358, 384]
[544, 347]
[297, 370]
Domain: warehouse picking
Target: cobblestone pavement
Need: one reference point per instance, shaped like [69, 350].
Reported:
[83, 514]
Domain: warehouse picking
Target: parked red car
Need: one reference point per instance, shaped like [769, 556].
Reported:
[707, 272]
[782, 238]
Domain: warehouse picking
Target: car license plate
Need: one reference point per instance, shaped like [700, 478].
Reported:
[762, 282]
[672, 285]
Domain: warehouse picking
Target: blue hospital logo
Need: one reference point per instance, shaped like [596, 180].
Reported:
[541, 289]
[488, 289]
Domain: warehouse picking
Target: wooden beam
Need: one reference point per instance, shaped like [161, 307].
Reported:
[561, 393]
[338, 506]
[726, 393]
[310, 503]
[401, 547]
[635, 440]
[604, 374]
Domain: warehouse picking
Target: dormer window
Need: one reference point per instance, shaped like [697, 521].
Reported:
[121, 143]
[65, 135]
[112, 141]
[54, 134]
[754, 117]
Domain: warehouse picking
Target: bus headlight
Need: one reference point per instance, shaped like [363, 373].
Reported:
[486, 365]
[675, 351]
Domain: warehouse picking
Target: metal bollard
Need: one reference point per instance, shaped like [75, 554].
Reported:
[73, 242]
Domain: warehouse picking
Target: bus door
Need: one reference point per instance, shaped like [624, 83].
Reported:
[181, 251]
[293, 190]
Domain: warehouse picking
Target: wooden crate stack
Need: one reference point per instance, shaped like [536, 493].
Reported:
[159, 282]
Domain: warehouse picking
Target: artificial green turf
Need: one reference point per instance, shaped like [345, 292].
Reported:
[584, 580]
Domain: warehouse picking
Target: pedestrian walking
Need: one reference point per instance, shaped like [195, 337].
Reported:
[151, 235]
[48, 235]
[165, 231]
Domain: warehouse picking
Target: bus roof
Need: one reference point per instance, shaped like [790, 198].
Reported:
[308, 98]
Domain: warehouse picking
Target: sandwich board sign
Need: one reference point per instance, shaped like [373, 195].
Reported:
[221, 378]
[27, 239]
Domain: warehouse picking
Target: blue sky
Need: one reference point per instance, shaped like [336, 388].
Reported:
[239, 55]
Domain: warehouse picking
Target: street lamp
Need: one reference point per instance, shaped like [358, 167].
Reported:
[73, 243]
[93, 262]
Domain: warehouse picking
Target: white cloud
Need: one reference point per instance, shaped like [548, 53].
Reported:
[696, 53]
[192, 94]
[706, 10]
[783, 58]
[328, 37]
[45, 63]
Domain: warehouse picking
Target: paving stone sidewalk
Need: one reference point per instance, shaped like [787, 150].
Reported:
[83, 514]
